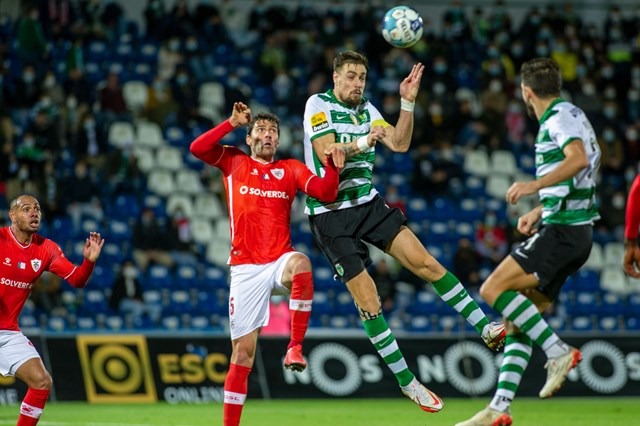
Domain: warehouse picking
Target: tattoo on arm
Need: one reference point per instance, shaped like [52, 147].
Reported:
[350, 150]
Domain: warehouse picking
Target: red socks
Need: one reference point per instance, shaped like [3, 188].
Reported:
[235, 393]
[32, 406]
[300, 306]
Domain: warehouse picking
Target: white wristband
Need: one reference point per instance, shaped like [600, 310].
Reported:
[406, 105]
[362, 144]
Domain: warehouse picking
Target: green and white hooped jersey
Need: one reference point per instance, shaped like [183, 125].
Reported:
[325, 114]
[571, 202]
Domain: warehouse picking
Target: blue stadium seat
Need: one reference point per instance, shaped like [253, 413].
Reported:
[323, 278]
[186, 277]
[102, 277]
[159, 276]
[86, 323]
[581, 323]
[420, 324]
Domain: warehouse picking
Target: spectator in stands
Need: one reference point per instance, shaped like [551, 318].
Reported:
[50, 191]
[467, 262]
[82, 195]
[112, 104]
[169, 57]
[150, 243]
[91, 142]
[52, 88]
[32, 47]
[127, 296]
[182, 24]
[77, 86]
[185, 93]
[124, 174]
[160, 102]
[26, 92]
[181, 238]
[491, 239]
[155, 16]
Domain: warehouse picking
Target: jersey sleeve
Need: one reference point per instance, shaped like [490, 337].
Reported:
[376, 117]
[206, 147]
[77, 276]
[324, 189]
[317, 118]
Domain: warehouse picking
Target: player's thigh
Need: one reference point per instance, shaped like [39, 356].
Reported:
[34, 374]
[249, 292]
[411, 253]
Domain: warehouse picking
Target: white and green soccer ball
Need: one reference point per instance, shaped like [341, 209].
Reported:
[402, 26]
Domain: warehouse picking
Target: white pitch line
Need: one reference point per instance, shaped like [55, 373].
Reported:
[46, 423]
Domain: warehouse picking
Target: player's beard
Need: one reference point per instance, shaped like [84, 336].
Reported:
[265, 153]
[530, 111]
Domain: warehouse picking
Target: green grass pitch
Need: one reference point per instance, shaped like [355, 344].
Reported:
[337, 412]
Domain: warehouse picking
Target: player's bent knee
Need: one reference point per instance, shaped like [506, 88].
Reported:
[300, 263]
[42, 381]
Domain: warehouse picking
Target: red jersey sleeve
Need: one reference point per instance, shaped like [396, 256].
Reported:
[324, 189]
[632, 219]
[77, 276]
[206, 147]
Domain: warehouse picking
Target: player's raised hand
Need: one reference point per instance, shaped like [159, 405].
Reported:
[631, 261]
[336, 154]
[410, 85]
[93, 246]
[240, 115]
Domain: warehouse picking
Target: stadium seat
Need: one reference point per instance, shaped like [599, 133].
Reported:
[135, 94]
[119, 231]
[148, 134]
[55, 323]
[585, 304]
[216, 253]
[161, 182]
[582, 323]
[613, 254]
[169, 158]
[171, 322]
[343, 304]
[323, 278]
[202, 230]
[102, 276]
[188, 181]
[497, 186]
[187, 277]
[211, 94]
[86, 323]
[207, 206]
[587, 280]
[27, 321]
[176, 137]
[420, 324]
[179, 303]
[121, 134]
[179, 200]
[613, 279]
[159, 276]
[503, 162]
[114, 322]
[146, 158]
[214, 278]
[476, 162]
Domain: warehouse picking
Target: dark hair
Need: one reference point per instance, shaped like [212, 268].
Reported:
[266, 116]
[350, 57]
[543, 76]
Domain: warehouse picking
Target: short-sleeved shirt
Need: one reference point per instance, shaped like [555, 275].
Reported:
[20, 267]
[259, 199]
[325, 114]
[573, 201]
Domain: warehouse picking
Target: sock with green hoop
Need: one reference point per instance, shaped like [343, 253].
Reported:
[455, 295]
[517, 353]
[385, 343]
[523, 313]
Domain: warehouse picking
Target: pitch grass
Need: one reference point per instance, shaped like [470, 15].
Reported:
[337, 412]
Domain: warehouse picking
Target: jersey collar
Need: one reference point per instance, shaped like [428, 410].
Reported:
[549, 112]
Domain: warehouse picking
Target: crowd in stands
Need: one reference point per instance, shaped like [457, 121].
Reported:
[70, 67]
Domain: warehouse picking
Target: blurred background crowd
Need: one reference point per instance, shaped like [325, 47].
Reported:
[99, 105]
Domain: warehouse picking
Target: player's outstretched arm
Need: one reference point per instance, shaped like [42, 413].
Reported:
[399, 137]
[631, 261]
[206, 146]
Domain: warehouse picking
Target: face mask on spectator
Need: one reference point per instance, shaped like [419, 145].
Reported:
[182, 79]
[440, 68]
[542, 50]
[607, 72]
[28, 77]
[191, 45]
[609, 112]
[618, 201]
[174, 45]
[631, 134]
[609, 136]
[589, 89]
[49, 82]
[495, 86]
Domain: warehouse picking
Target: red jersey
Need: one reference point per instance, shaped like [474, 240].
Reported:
[259, 196]
[20, 267]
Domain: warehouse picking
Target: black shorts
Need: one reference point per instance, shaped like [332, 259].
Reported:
[553, 254]
[340, 234]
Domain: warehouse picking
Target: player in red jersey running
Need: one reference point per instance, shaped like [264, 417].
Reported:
[631, 260]
[25, 255]
[260, 191]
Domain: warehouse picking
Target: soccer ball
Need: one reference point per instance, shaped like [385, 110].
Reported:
[402, 26]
